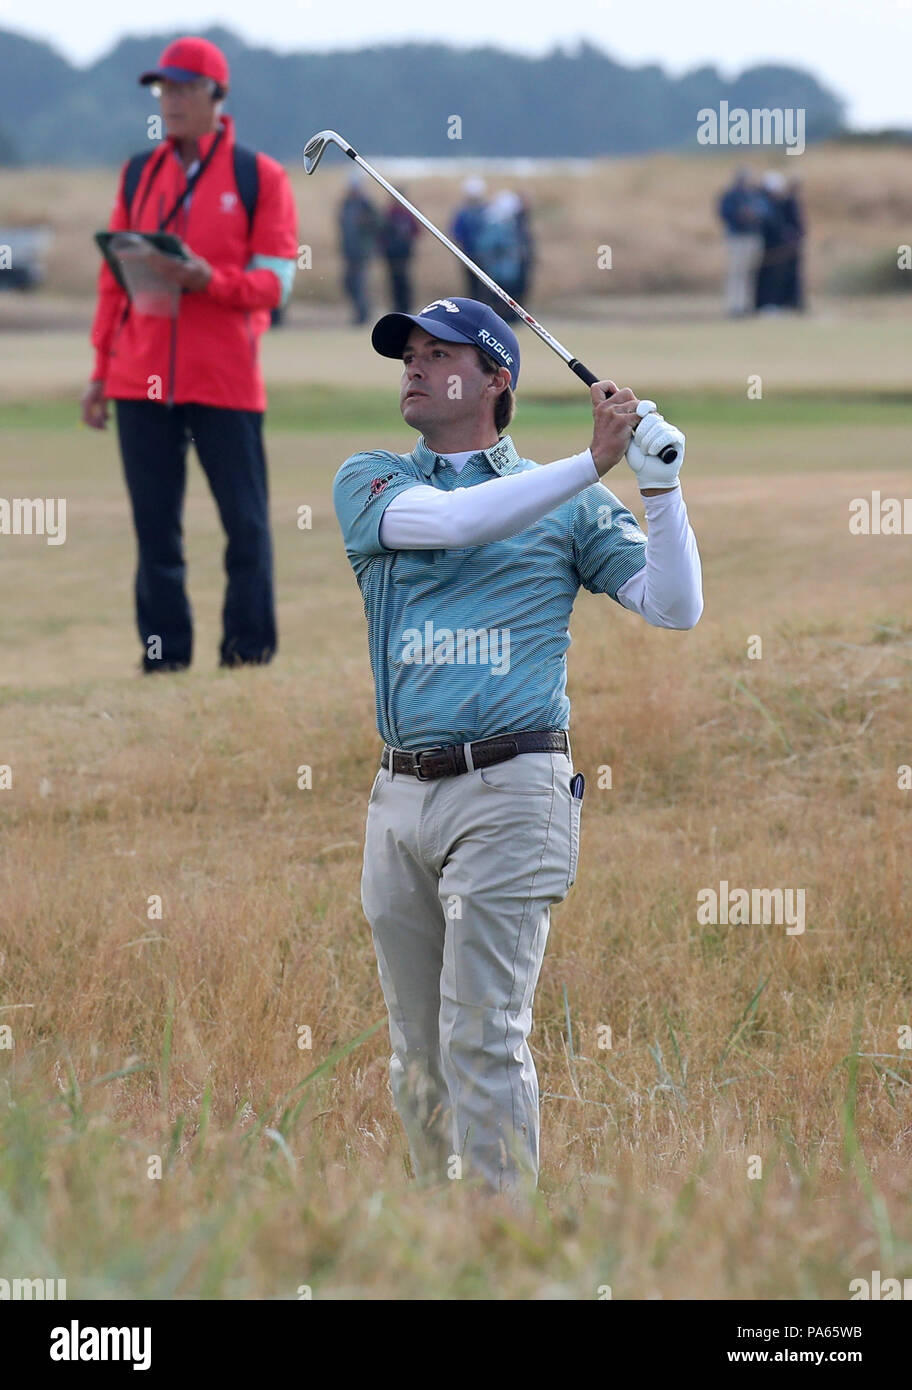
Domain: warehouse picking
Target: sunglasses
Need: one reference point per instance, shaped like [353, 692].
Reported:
[194, 85]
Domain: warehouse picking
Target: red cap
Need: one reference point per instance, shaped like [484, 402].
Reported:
[188, 58]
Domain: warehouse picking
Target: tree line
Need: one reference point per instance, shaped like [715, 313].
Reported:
[417, 99]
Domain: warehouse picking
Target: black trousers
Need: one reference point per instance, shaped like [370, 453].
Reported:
[400, 283]
[229, 443]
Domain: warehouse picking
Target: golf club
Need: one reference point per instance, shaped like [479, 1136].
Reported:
[313, 153]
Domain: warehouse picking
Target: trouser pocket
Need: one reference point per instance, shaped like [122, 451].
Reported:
[576, 807]
[577, 787]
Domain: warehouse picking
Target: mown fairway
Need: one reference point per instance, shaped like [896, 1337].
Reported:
[281, 1166]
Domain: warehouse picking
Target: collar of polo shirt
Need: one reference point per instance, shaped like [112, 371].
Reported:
[501, 457]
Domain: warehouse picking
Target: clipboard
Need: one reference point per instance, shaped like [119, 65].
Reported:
[127, 254]
[164, 242]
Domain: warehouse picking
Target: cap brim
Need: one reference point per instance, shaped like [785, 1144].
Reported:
[172, 74]
[390, 334]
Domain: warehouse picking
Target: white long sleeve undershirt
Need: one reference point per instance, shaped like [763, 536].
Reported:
[667, 592]
[427, 518]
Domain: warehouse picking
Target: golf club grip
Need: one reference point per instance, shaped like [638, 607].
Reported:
[667, 455]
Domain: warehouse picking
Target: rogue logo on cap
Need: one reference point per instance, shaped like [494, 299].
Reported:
[452, 320]
[492, 345]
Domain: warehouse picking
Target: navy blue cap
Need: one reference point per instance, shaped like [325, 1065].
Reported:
[172, 74]
[454, 321]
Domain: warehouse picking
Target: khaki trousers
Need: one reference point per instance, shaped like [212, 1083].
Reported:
[459, 877]
[744, 255]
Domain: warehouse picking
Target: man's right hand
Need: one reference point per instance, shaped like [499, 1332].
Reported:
[615, 421]
[94, 406]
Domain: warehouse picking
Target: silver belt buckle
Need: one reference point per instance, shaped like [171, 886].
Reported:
[435, 748]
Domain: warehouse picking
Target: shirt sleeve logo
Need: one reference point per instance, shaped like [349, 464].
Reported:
[630, 529]
[378, 484]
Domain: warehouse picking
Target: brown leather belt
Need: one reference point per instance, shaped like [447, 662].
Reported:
[449, 760]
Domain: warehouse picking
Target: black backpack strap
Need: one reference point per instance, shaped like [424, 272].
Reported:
[192, 181]
[135, 166]
[247, 178]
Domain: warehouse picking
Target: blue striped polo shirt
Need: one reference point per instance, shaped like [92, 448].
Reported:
[468, 643]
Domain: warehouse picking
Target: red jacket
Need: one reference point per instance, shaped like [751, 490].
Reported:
[209, 354]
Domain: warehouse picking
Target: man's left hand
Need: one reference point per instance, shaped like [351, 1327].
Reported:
[652, 436]
[191, 274]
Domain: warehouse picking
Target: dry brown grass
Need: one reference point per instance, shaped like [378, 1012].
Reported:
[727, 1041]
[657, 214]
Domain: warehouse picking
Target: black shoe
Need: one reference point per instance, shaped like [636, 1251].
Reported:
[235, 659]
[150, 668]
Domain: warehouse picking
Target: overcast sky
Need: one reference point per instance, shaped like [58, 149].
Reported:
[860, 48]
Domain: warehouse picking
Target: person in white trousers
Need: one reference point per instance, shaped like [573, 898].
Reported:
[741, 210]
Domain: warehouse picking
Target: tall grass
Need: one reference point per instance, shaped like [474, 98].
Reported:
[177, 1043]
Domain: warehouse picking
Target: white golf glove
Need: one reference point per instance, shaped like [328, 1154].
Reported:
[651, 436]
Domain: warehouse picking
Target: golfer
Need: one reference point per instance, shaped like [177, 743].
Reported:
[190, 373]
[469, 559]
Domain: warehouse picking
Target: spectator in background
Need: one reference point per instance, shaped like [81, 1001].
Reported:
[770, 295]
[359, 227]
[397, 236]
[526, 249]
[190, 373]
[793, 270]
[500, 250]
[465, 228]
[741, 210]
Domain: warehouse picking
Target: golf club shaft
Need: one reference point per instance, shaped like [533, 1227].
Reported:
[667, 455]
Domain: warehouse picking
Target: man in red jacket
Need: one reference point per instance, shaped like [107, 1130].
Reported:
[194, 375]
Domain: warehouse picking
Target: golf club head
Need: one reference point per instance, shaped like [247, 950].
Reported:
[316, 145]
